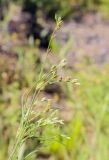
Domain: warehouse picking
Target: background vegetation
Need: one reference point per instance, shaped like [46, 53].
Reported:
[84, 109]
[63, 7]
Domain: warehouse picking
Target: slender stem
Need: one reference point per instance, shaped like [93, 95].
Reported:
[27, 111]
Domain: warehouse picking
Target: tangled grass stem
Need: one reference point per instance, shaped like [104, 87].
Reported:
[27, 108]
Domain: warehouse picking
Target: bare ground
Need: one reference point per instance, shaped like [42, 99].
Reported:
[90, 38]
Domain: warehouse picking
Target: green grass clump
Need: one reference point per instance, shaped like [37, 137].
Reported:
[87, 128]
[33, 123]
[40, 131]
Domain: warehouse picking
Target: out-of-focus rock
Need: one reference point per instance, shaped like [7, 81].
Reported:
[24, 26]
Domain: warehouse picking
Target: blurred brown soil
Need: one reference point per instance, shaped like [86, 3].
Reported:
[90, 38]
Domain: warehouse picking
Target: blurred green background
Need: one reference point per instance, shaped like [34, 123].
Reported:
[25, 29]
